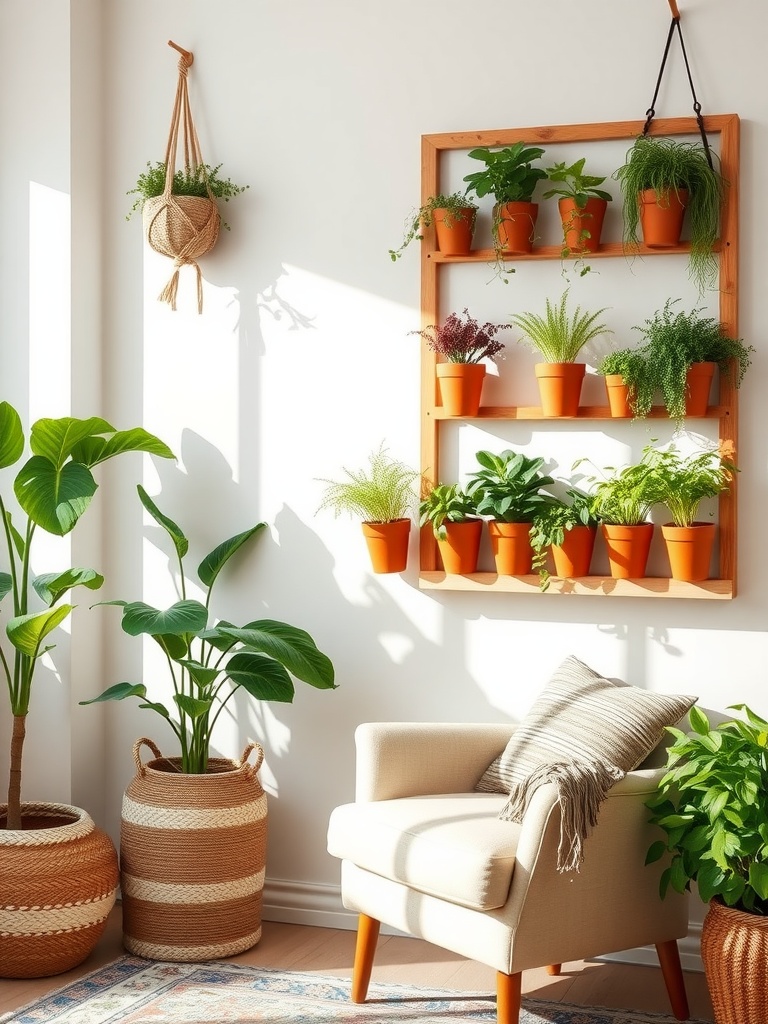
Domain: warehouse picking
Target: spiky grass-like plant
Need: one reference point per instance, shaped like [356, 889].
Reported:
[666, 165]
[684, 480]
[557, 336]
[382, 493]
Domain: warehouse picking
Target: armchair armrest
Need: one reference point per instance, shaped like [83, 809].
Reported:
[400, 759]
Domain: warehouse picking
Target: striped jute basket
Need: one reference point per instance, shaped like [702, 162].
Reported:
[58, 882]
[734, 950]
[192, 857]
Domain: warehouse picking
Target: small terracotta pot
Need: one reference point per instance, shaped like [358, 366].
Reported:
[689, 549]
[582, 228]
[698, 386]
[516, 226]
[461, 387]
[574, 556]
[454, 229]
[618, 396]
[388, 544]
[560, 387]
[628, 549]
[511, 547]
[461, 546]
[661, 217]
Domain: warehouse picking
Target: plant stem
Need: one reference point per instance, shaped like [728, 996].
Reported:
[14, 783]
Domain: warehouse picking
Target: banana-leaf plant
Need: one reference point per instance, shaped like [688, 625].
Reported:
[53, 489]
[209, 664]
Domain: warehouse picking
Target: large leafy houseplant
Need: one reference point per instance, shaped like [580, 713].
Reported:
[509, 174]
[509, 487]
[53, 489]
[208, 663]
[454, 209]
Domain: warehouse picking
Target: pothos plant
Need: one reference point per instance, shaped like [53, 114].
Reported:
[207, 663]
[573, 184]
[53, 489]
[552, 522]
[457, 207]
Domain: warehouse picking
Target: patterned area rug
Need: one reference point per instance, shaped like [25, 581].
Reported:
[136, 991]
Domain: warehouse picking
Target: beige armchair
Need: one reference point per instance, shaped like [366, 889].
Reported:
[424, 853]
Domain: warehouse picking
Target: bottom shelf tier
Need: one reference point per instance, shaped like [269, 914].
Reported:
[585, 586]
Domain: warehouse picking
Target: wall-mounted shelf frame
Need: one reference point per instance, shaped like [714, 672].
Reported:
[434, 264]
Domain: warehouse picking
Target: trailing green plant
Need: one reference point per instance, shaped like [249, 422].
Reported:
[674, 341]
[551, 523]
[711, 805]
[463, 341]
[457, 207]
[684, 480]
[626, 495]
[668, 165]
[632, 365]
[445, 503]
[381, 493]
[187, 181]
[208, 664]
[53, 489]
[509, 486]
[558, 336]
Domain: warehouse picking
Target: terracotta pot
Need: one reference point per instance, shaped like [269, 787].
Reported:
[698, 386]
[560, 387]
[388, 544]
[516, 226]
[58, 882]
[511, 547]
[192, 857]
[461, 546]
[461, 386]
[734, 951]
[582, 228]
[689, 549]
[661, 217]
[454, 229]
[574, 556]
[628, 549]
[618, 396]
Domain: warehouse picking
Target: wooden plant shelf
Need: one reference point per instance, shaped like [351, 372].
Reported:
[584, 586]
[554, 252]
[586, 412]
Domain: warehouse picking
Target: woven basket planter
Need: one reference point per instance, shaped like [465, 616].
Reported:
[58, 882]
[192, 858]
[734, 949]
[182, 227]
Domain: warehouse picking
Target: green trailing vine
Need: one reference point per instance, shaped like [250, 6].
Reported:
[187, 181]
[457, 207]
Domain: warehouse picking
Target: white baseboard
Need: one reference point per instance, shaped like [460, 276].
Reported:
[320, 905]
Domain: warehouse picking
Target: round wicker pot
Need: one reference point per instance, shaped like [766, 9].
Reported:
[182, 227]
[454, 229]
[461, 387]
[192, 857]
[734, 950]
[388, 544]
[58, 882]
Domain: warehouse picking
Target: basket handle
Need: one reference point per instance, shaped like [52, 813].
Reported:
[253, 768]
[143, 742]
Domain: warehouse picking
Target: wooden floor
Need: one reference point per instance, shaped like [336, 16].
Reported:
[408, 961]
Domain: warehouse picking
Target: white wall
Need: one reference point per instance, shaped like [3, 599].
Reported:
[320, 108]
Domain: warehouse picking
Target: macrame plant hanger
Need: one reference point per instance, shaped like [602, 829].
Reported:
[182, 227]
[651, 111]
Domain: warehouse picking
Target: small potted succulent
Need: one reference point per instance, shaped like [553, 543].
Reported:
[452, 515]
[461, 344]
[567, 527]
[453, 217]
[582, 207]
[382, 497]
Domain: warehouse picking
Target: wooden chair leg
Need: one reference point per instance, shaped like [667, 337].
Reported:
[508, 995]
[554, 969]
[365, 949]
[669, 961]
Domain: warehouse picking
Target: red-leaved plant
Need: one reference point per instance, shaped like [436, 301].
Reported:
[463, 341]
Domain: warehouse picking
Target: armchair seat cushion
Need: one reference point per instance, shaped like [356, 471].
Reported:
[451, 846]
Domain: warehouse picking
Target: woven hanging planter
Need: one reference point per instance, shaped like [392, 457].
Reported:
[734, 950]
[192, 857]
[182, 227]
[58, 882]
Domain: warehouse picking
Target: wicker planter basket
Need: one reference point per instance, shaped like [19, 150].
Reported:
[58, 881]
[192, 857]
[734, 949]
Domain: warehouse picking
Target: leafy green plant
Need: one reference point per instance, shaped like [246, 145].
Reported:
[551, 523]
[632, 365]
[53, 489]
[573, 183]
[509, 487]
[509, 174]
[668, 165]
[445, 503]
[626, 495]
[463, 341]
[684, 480]
[187, 181]
[382, 493]
[557, 336]
[209, 664]
[457, 208]
[673, 342]
[711, 805]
